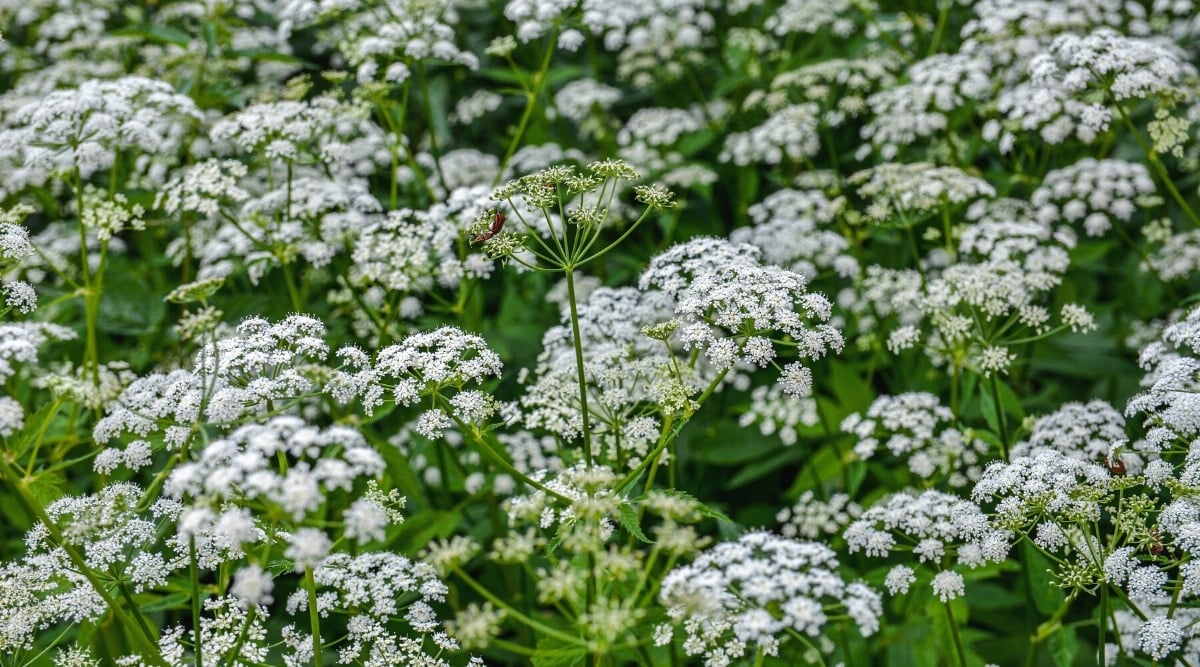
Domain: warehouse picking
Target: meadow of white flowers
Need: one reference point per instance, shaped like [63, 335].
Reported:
[599, 332]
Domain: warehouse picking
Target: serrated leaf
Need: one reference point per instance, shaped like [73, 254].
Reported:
[278, 567]
[627, 516]
[48, 486]
[703, 509]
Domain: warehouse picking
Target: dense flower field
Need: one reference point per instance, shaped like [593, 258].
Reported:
[599, 332]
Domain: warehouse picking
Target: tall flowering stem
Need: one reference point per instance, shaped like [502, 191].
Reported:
[556, 246]
[583, 406]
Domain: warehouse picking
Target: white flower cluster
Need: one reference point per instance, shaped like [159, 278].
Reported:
[14, 248]
[1125, 67]
[1178, 256]
[586, 103]
[727, 306]
[938, 86]
[396, 34]
[1048, 487]
[374, 588]
[1094, 192]
[787, 230]
[641, 25]
[1092, 431]
[898, 189]
[230, 633]
[322, 131]
[422, 364]
[840, 86]
[414, 251]
[588, 517]
[312, 218]
[243, 467]
[791, 133]
[1039, 249]
[1007, 267]
[917, 428]
[938, 528]
[46, 586]
[20, 341]
[626, 371]
[260, 368]
[779, 413]
[838, 17]
[1170, 402]
[811, 518]
[85, 129]
[748, 595]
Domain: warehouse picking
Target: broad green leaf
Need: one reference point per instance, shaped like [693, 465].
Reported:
[756, 470]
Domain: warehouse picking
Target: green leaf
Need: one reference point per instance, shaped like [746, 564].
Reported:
[1047, 597]
[849, 387]
[987, 405]
[554, 652]
[1012, 404]
[752, 472]
[423, 527]
[48, 486]
[1064, 646]
[160, 34]
[703, 509]
[278, 567]
[629, 521]
[23, 440]
[731, 445]
[501, 74]
[273, 56]
[130, 307]
[168, 602]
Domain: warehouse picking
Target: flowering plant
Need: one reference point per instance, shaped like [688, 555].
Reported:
[599, 332]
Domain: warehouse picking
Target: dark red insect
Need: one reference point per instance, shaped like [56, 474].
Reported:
[1156, 547]
[497, 225]
[1117, 466]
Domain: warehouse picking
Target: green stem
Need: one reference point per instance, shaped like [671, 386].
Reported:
[314, 616]
[41, 436]
[195, 576]
[941, 27]
[495, 457]
[1159, 169]
[1000, 416]
[512, 611]
[531, 97]
[583, 406]
[958, 645]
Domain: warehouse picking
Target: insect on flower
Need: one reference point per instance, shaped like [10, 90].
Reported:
[497, 225]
